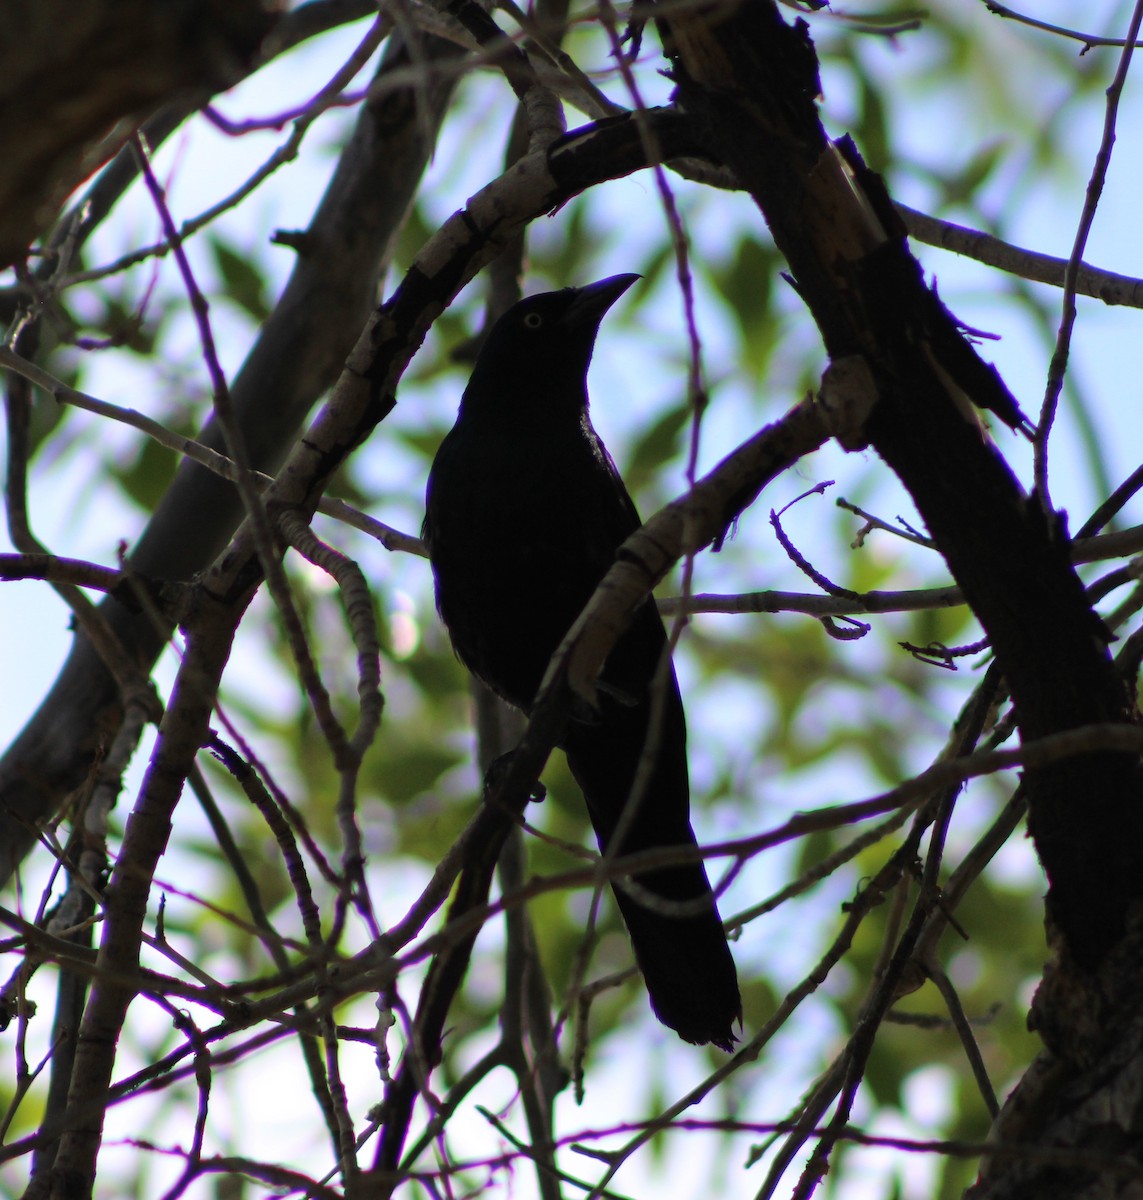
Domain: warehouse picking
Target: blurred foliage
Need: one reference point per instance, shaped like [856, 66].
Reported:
[243, 282]
[783, 717]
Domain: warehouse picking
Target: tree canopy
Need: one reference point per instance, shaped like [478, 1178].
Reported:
[269, 925]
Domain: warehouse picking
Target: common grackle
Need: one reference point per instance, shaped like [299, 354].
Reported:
[524, 513]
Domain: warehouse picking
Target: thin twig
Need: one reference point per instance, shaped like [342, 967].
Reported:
[1059, 363]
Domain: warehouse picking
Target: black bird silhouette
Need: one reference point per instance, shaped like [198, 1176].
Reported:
[524, 513]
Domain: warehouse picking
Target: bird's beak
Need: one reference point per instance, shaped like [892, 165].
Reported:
[593, 301]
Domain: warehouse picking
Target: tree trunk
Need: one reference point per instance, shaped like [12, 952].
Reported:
[754, 81]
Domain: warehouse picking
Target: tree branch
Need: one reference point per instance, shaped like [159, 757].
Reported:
[121, 60]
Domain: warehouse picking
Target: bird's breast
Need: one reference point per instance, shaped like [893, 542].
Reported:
[521, 530]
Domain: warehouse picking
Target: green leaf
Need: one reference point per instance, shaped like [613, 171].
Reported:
[149, 475]
[656, 445]
[746, 283]
[243, 282]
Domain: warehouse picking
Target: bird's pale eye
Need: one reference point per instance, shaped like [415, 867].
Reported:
[533, 320]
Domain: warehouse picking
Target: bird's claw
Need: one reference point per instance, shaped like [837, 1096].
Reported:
[496, 773]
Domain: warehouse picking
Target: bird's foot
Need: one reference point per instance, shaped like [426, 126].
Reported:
[496, 773]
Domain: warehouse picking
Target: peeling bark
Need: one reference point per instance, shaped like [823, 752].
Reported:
[752, 80]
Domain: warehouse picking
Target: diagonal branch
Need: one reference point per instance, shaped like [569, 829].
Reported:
[301, 348]
[753, 80]
[120, 60]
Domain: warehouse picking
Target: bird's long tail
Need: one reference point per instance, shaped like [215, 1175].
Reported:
[684, 957]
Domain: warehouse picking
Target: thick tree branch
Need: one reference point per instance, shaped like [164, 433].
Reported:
[185, 729]
[754, 80]
[296, 357]
[118, 60]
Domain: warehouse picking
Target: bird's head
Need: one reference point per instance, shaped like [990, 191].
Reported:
[536, 356]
